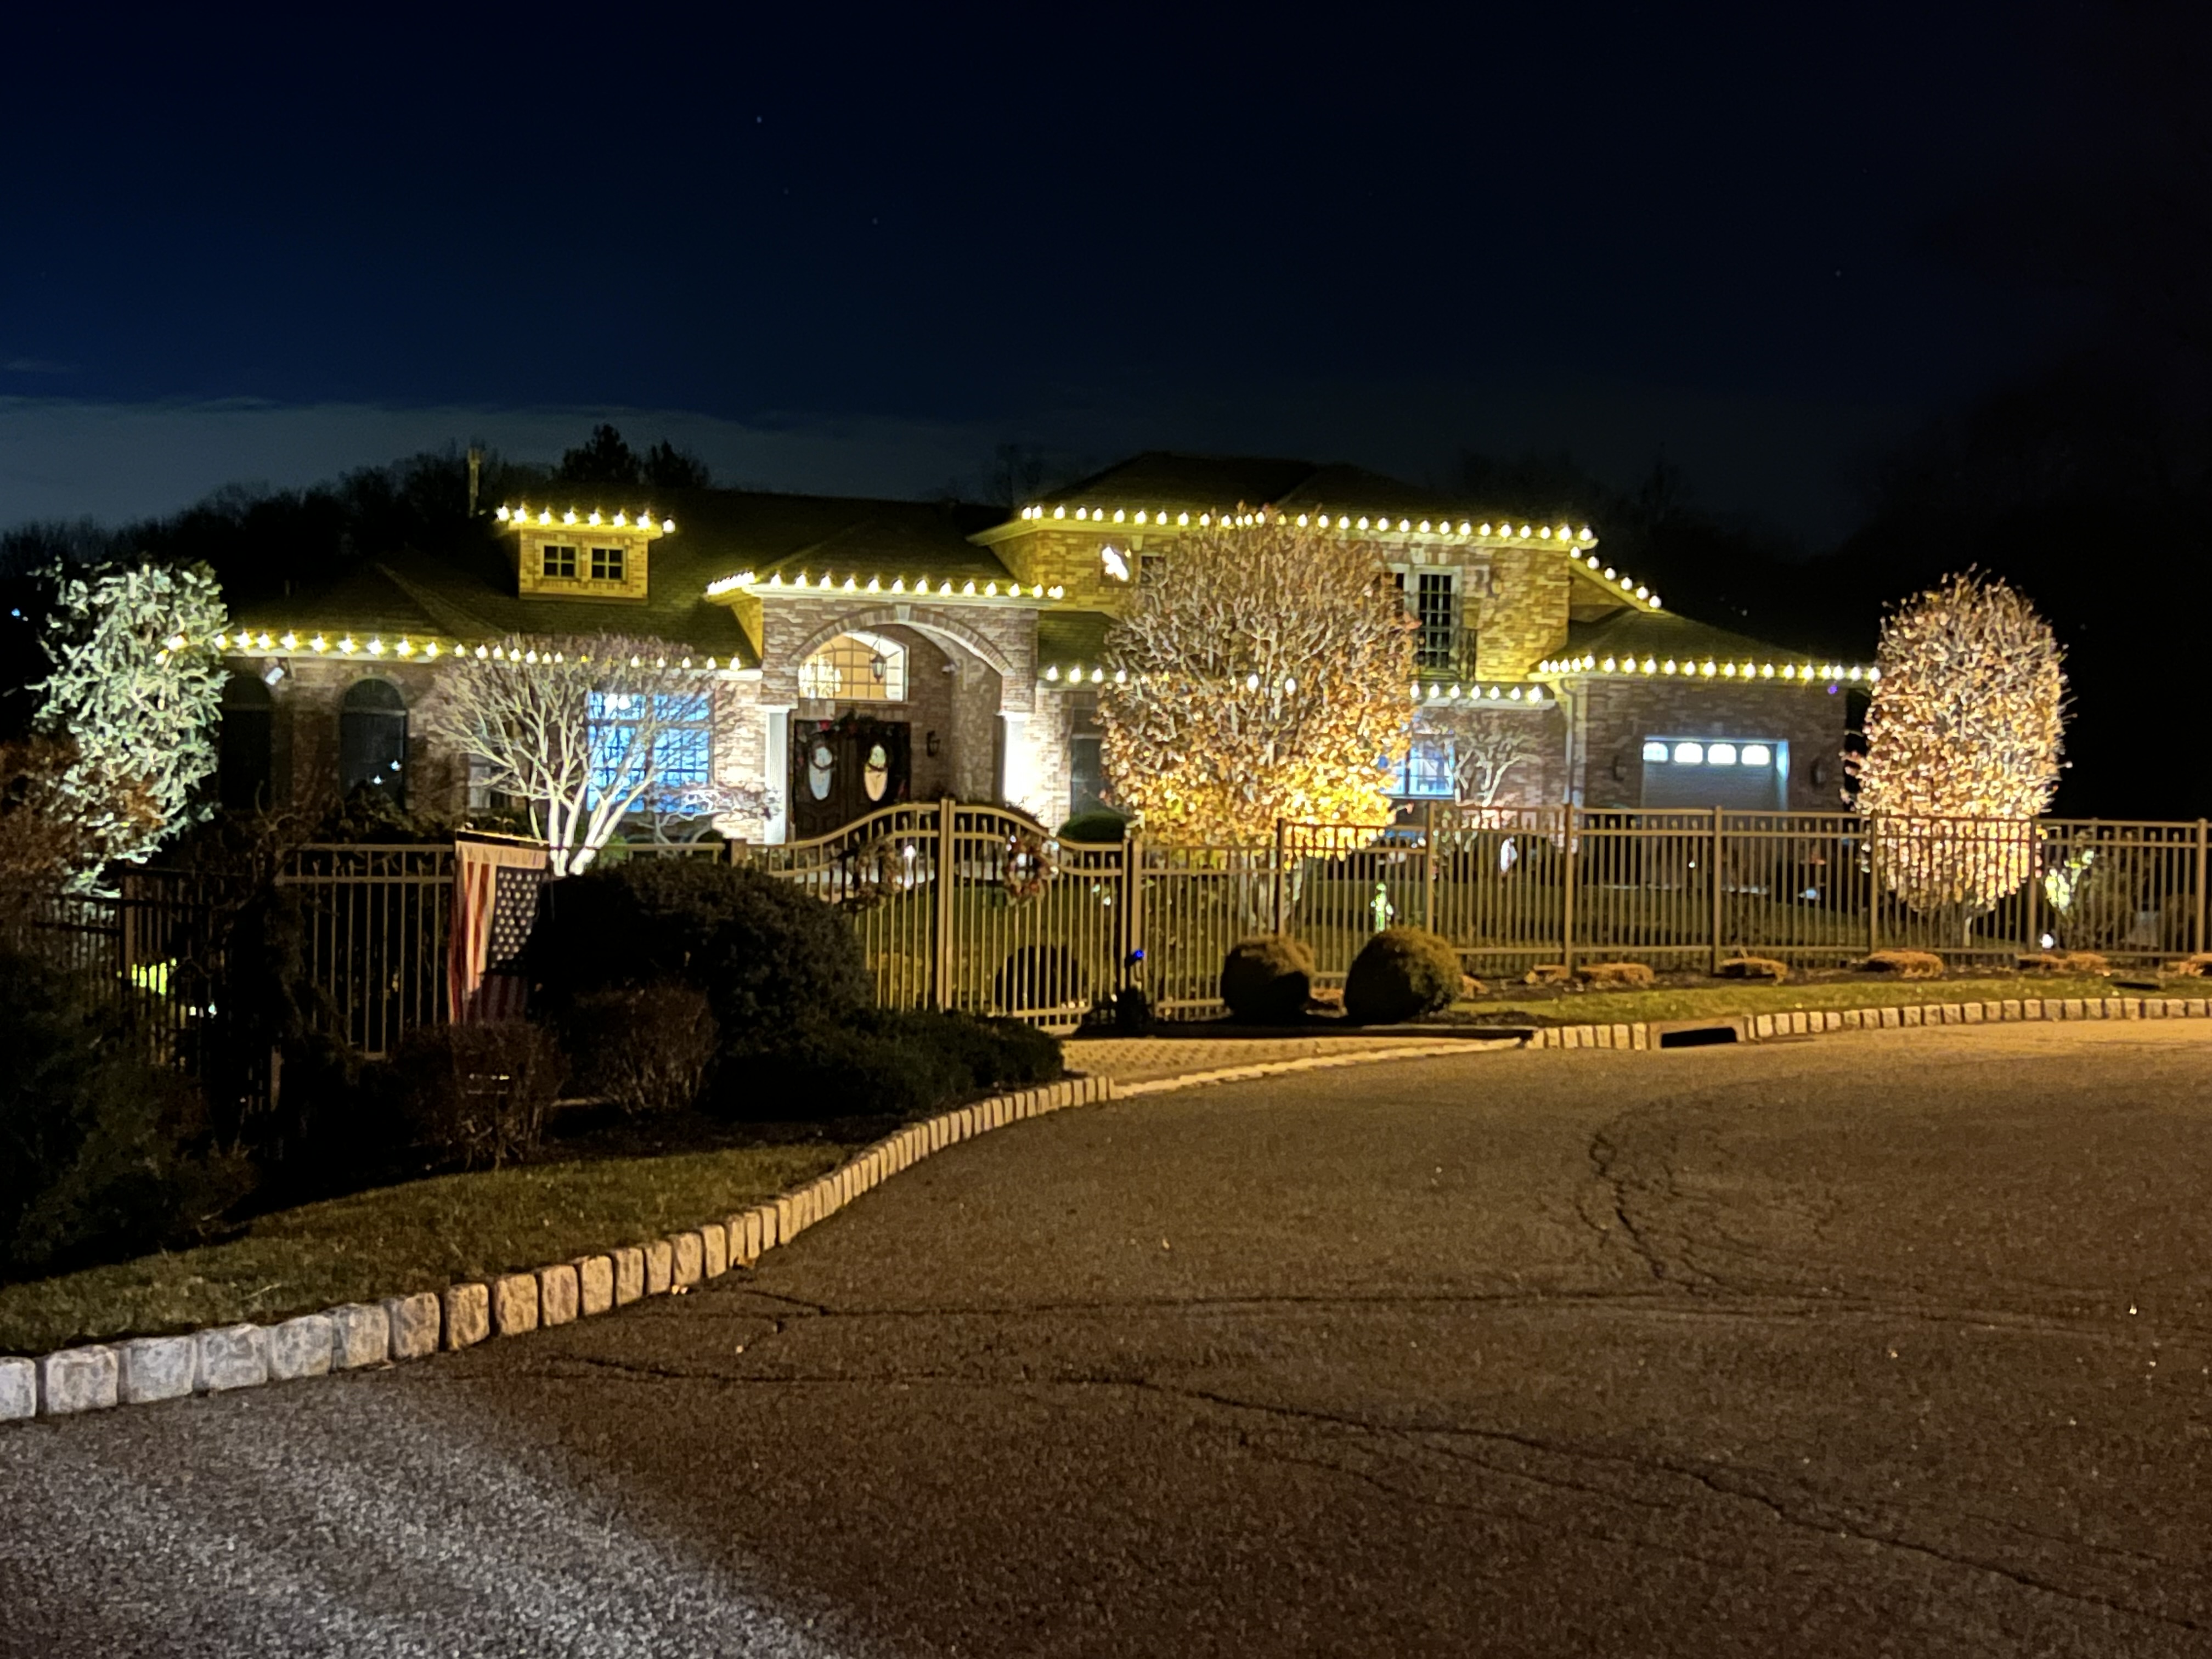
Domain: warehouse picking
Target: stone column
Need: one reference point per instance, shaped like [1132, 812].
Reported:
[775, 770]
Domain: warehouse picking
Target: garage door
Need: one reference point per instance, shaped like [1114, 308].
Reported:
[1748, 775]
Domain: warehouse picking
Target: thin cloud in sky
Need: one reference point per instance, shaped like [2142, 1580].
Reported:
[68, 459]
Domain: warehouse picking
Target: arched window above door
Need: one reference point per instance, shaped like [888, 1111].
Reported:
[372, 740]
[856, 668]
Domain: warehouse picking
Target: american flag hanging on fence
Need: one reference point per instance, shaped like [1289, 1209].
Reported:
[494, 903]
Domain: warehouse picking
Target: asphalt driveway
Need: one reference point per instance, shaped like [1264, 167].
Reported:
[1884, 1343]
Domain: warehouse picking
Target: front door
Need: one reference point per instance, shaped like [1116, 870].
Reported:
[844, 770]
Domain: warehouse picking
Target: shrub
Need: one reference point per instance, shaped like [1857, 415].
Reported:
[1547, 973]
[1100, 824]
[472, 1096]
[1400, 974]
[1763, 968]
[1266, 981]
[768, 954]
[1036, 977]
[647, 1049]
[1904, 964]
[900, 1064]
[2196, 967]
[101, 1154]
[1617, 976]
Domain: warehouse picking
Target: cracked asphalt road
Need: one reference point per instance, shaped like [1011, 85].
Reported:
[1891, 1343]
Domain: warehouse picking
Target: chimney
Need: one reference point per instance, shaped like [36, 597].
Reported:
[476, 474]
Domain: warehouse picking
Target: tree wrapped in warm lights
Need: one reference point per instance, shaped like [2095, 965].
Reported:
[1963, 741]
[134, 695]
[1263, 674]
[585, 732]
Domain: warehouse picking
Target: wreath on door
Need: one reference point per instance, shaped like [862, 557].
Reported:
[874, 871]
[1031, 864]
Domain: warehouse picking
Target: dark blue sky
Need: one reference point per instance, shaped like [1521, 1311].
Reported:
[836, 247]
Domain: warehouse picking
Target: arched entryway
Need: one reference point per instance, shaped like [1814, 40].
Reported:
[888, 710]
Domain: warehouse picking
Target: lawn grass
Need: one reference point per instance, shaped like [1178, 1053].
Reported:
[422, 1236]
[1714, 1001]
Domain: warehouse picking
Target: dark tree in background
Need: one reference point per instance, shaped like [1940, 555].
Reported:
[605, 458]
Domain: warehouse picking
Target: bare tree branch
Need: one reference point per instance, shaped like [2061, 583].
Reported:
[581, 729]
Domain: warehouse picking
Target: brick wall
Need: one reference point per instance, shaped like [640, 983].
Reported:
[1069, 558]
[1612, 717]
[1057, 716]
[307, 703]
[1524, 619]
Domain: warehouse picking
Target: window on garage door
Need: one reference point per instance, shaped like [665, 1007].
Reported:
[1748, 774]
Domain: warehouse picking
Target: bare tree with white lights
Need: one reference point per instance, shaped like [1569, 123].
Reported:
[585, 732]
[1488, 753]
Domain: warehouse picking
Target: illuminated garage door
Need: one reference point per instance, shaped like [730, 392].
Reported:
[1750, 774]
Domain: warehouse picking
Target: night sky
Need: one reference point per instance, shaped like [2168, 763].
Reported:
[835, 249]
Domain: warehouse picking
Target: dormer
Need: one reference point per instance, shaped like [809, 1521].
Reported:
[579, 553]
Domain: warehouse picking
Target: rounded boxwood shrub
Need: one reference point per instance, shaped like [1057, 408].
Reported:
[1267, 980]
[1100, 824]
[767, 954]
[1402, 973]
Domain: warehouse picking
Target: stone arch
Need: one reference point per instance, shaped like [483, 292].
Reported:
[926, 620]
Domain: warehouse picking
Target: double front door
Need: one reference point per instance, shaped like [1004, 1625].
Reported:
[845, 769]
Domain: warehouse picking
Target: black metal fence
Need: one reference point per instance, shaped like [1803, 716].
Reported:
[975, 908]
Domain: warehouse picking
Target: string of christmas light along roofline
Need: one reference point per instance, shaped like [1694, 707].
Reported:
[622, 520]
[991, 589]
[1098, 674]
[288, 643]
[1804, 673]
[1565, 534]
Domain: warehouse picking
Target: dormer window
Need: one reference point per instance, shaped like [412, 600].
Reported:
[579, 554]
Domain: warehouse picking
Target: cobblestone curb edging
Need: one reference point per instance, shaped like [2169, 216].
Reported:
[1813, 1022]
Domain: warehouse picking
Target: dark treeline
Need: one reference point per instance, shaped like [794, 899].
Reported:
[258, 541]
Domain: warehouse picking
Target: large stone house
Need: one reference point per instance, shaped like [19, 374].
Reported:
[865, 651]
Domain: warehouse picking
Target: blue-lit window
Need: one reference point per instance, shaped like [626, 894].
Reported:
[1431, 771]
[682, 748]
